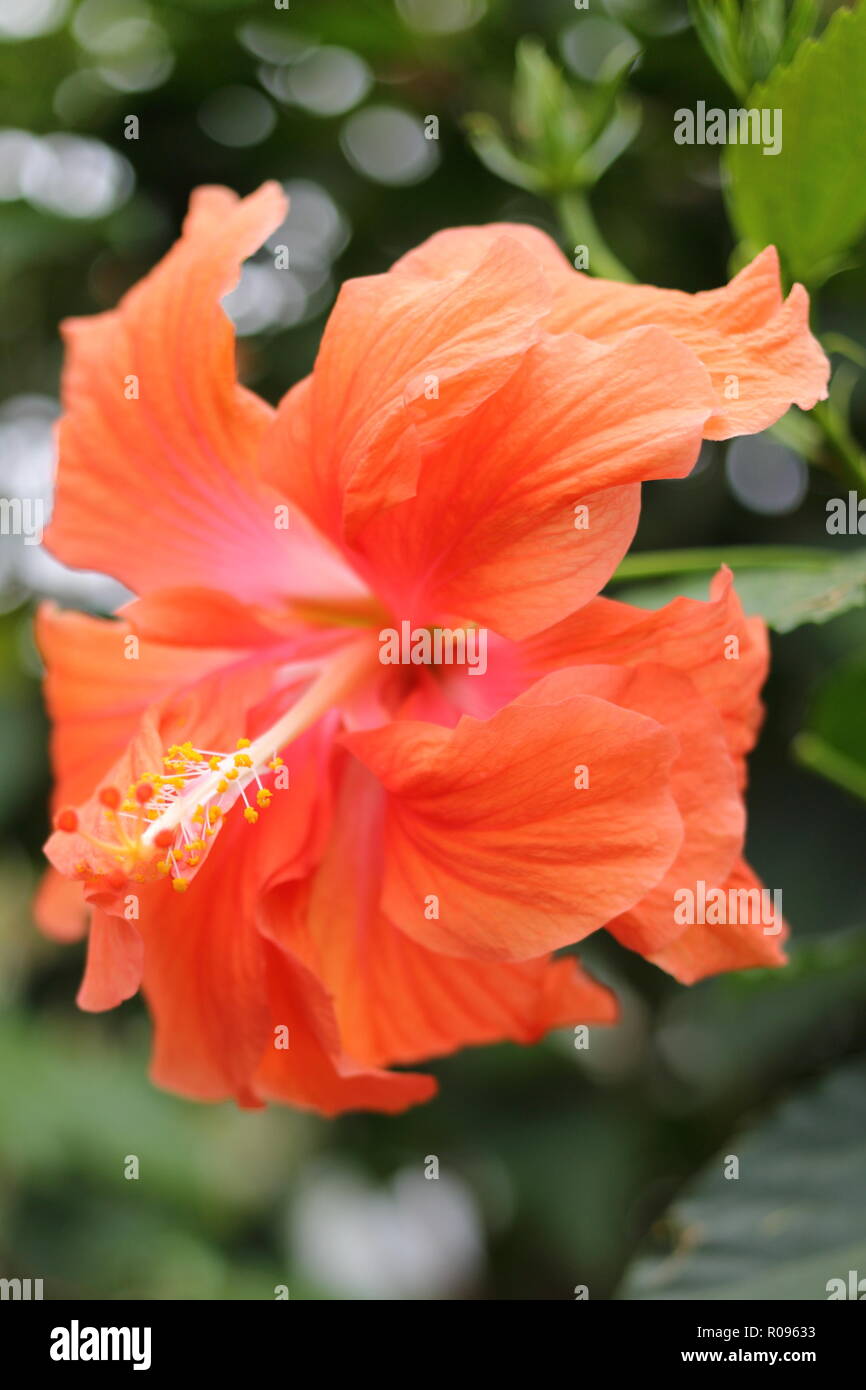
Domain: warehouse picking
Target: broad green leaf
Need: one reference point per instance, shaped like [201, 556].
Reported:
[810, 199]
[787, 588]
[793, 1219]
[833, 742]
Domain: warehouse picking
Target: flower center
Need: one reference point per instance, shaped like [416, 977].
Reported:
[167, 820]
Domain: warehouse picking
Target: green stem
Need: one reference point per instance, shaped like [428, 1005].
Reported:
[812, 752]
[581, 229]
[655, 564]
[848, 458]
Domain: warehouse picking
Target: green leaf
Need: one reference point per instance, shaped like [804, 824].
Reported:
[486, 139]
[810, 199]
[786, 586]
[801, 23]
[717, 26]
[834, 740]
[565, 134]
[791, 1221]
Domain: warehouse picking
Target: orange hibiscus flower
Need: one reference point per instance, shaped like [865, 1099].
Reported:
[318, 851]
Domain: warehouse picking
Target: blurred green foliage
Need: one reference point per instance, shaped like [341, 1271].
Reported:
[799, 1175]
[569, 1159]
[810, 199]
[748, 39]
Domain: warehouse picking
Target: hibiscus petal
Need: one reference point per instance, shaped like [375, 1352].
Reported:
[115, 954]
[161, 486]
[97, 688]
[59, 909]
[345, 445]
[513, 526]
[203, 618]
[462, 247]
[203, 967]
[222, 996]
[724, 653]
[703, 780]
[395, 1000]
[486, 819]
[313, 1072]
[204, 980]
[705, 949]
[758, 350]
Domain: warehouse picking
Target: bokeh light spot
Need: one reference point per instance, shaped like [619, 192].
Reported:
[25, 19]
[76, 176]
[237, 116]
[388, 146]
[328, 81]
[596, 45]
[765, 476]
[441, 16]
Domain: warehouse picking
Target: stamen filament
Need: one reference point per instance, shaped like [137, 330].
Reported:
[341, 675]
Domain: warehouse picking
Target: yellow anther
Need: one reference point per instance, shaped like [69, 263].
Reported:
[263, 796]
[222, 785]
[179, 885]
[163, 867]
[231, 773]
[214, 763]
[242, 743]
[251, 815]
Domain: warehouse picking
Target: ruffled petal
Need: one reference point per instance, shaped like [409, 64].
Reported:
[707, 949]
[235, 1014]
[97, 687]
[315, 1072]
[158, 480]
[703, 781]
[345, 445]
[395, 999]
[59, 908]
[724, 653]
[115, 955]
[757, 348]
[513, 526]
[492, 822]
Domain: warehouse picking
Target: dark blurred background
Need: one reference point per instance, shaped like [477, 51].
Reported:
[558, 1167]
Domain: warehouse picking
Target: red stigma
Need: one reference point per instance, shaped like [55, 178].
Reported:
[66, 820]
